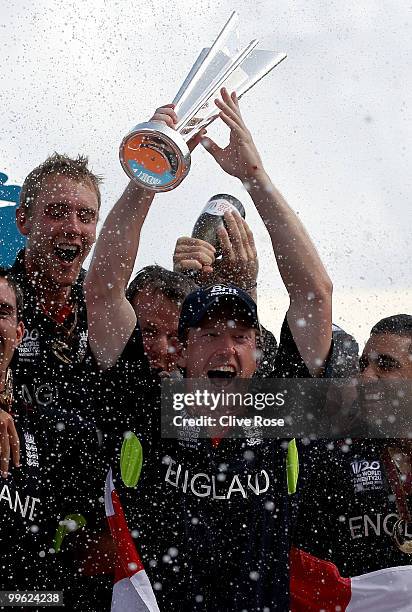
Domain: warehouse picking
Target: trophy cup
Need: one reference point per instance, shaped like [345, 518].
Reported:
[156, 156]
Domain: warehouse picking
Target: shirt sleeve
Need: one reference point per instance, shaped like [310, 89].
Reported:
[132, 352]
[288, 361]
[343, 359]
[269, 347]
[290, 364]
[124, 388]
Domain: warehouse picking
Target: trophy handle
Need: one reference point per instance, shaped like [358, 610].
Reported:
[256, 66]
[266, 68]
[204, 60]
[214, 87]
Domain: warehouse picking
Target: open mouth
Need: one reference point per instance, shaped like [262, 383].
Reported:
[67, 252]
[222, 372]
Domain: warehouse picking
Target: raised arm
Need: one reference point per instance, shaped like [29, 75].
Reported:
[305, 278]
[111, 318]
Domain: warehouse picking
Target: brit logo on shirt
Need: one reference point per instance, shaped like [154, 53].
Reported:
[32, 457]
[367, 475]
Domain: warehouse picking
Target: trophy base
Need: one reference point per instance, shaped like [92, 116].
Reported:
[155, 156]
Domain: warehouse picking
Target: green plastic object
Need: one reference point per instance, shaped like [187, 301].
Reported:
[292, 467]
[72, 522]
[131, 460]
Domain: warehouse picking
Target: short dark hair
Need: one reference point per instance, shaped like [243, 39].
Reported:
[399, 325]
[11, 281]
[75, 168]
[174, 285]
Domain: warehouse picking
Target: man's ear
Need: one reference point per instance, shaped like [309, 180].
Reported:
[258, 350]
[22, 221]
[20, 332]
[182, 360]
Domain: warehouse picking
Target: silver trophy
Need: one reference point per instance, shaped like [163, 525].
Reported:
[156, 156]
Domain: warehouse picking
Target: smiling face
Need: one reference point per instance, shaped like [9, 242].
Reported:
[387, 357]
[11, 330]
[220, 348]
[60, 229]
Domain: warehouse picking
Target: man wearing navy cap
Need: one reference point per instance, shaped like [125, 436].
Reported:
[219, 328]
[212, 515]
[236, 497]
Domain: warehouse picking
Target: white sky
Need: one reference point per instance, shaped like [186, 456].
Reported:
[332, 123]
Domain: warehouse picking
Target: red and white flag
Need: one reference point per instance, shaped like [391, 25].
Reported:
[132, 591]
[316, 585]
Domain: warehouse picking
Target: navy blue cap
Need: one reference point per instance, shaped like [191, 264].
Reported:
[198, 303]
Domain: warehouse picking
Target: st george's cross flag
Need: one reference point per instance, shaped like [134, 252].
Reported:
[132, 590]
[316, 585]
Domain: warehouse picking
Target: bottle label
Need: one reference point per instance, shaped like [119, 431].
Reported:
[219, 207]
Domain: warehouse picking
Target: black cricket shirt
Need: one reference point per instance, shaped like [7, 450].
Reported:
[41, 378]
[347, 508]
[211, 522]
[61, 474]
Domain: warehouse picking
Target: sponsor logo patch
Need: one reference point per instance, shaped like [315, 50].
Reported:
[30, 346]
[223, 290]
[82, 346]
[367, 475]
[32, 457]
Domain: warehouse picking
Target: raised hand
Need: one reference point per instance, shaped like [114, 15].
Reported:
[166, 114]
[241, 157]
[239, 264]
[194, 254]
[9, 443]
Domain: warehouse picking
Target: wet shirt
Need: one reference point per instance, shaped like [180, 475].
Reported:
[347, 509]
[269, 347]
[60, 475]
[125, 396]
[342, 362]
[211, 520]
[53, 364]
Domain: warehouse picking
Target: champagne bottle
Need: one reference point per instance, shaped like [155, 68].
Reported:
[211, 218]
